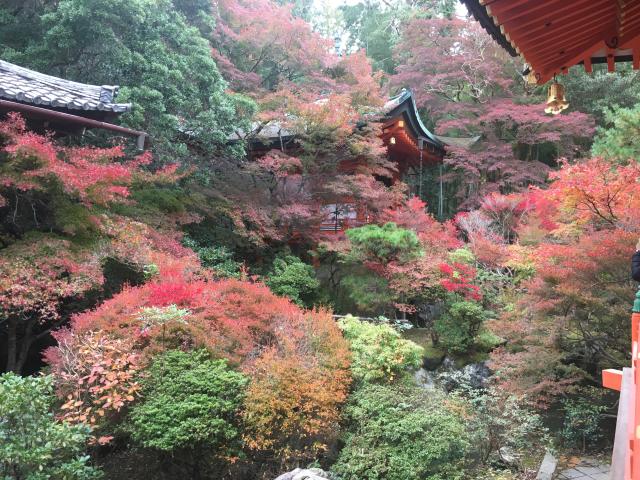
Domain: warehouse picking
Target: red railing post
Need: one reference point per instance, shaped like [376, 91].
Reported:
[634, 433]
[626, 450]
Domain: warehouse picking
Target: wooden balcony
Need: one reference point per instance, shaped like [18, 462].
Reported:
[625, 460]
[343, 216]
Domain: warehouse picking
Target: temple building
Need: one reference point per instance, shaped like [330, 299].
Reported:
[61, 106]
[410, 145]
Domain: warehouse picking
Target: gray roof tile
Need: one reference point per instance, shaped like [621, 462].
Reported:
[27, 86]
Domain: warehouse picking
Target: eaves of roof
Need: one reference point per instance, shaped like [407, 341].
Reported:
[30, 87]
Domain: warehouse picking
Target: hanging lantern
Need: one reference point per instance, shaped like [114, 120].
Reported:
[392, 140]
[556, 101]
[532, 78]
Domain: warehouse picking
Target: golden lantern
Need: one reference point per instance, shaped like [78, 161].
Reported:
[556, 101]
[532, 78]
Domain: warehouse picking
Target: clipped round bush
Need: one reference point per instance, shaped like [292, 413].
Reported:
[458, 327]
[189, 401]
[379, 352]
[401, 433]
[293, 278]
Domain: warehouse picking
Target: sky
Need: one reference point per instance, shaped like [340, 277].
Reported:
[461, 10]
[325, 6]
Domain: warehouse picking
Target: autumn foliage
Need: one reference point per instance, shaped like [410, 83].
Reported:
[57, 229]
[230, 317]
[96, 376]
[93, 175]
[298, 361]
[114, 260]
[292, 410]
[572, 319]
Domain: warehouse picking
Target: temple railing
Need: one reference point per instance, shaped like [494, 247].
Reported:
[340, 225]
[625, 460]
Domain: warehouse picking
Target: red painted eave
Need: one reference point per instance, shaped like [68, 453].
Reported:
[553, 35]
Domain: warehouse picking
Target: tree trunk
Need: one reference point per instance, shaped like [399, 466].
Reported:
[27, 341]
[18, 351]
[196, 473]
[12, 346]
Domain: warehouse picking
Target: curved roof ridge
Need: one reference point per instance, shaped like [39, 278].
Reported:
[405, 102]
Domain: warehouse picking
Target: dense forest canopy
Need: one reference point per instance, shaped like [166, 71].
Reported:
[185, 312]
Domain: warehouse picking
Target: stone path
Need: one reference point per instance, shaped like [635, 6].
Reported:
[586, 469]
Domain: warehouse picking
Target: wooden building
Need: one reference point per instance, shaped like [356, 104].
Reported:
[409, 142]
[410, 145]
[61, 106]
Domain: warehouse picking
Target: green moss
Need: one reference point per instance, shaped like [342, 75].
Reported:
[487, 341]
[73, 219]
[164, 199]
[422, 337]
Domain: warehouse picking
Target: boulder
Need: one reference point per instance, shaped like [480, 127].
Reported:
[305, 474]
[508, 456]
[547, 468]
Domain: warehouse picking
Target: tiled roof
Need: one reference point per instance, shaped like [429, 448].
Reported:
[395, 101]
[263, 131]
[406, 97]
[461, 142]
[27, 86]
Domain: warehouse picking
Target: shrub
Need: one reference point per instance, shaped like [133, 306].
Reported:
[582, 419]
[385, 243]
[398, 433]
[379, 352]
[292, 408]
[33, 444]
[189, 402]
[95, 375]
[298, 360]
[462, 255]
[292, 278]
[217, 258]
[458, 327]
[231, 318]
[497, 423]
[487, 341]
[501, 423]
